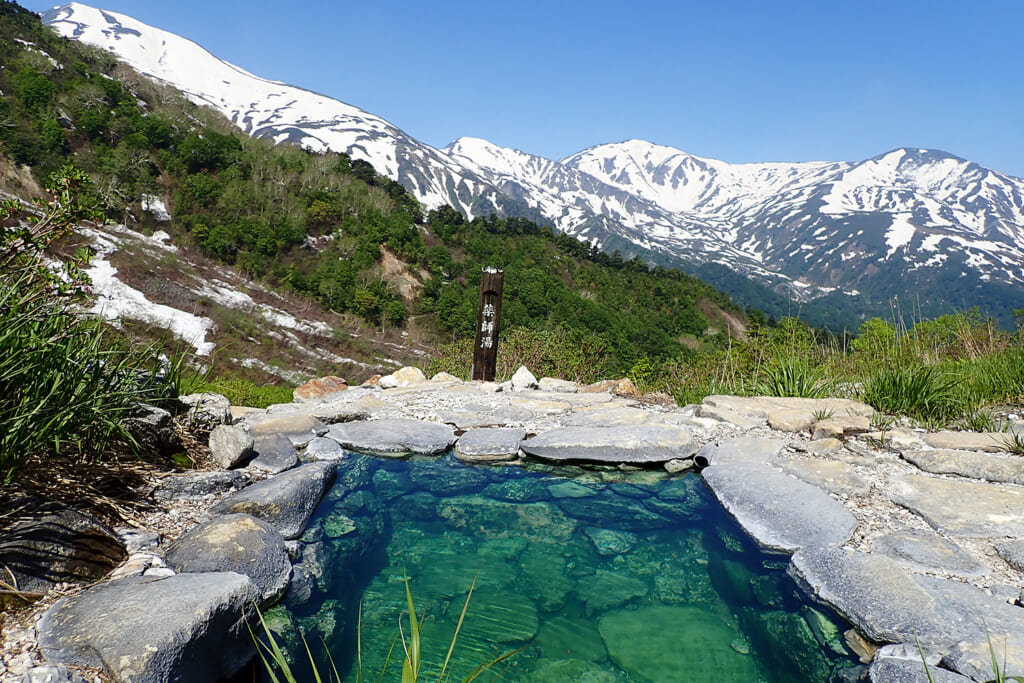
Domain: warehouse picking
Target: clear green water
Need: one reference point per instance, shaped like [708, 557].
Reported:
[604, 576]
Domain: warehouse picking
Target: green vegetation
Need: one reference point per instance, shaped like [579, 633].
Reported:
[275, 660]
[66, 382]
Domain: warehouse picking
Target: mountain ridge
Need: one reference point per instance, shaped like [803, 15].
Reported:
[947, 225]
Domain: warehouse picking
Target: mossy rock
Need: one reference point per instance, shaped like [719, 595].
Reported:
[493, 519]
[336, 526]
[666, 644]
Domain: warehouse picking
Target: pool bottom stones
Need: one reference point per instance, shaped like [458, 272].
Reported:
[603, 575]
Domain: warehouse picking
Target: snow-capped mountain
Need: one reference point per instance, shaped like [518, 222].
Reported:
[944, 229]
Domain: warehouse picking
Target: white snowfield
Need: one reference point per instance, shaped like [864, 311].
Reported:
[779, 223]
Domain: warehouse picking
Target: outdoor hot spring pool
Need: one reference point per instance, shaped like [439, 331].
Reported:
[603, 575]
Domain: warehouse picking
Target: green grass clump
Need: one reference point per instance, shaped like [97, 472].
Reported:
[921, 392]
[65, 382]
[793, 377]
[243, 392]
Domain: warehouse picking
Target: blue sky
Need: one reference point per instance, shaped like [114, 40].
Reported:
[733, 80]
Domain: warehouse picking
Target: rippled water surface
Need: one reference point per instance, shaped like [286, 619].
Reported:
[602, 575]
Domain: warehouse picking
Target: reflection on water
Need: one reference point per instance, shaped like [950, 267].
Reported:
[604, 575]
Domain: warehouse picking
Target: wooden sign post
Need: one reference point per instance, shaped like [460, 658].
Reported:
[485, 350]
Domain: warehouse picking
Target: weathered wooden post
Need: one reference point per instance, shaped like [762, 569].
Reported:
[485, 350]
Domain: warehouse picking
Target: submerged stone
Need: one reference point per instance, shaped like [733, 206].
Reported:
[563, 636]
[502, 617]
[448, 476]
[608, 542]
[519, 490]
[493, 519]
[603, 590]
[680, 644]
[575, 670]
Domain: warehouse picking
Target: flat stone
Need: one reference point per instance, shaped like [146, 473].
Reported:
[831, 475]
[286, 501]
[230, 445]
[195, 485]
[899, 439]
[50, 674]
[572, 489]
[781, 513]
[628, 444]
[394, 437]
[840, 425]
[763, 406]
[973, 658]
[235, 543]
[273, 453]
[299, 428]
[535, 406]
[1012, 552]
[926, 550]
[791, 420]
[604, 590]
[818, 446]
[989, 442]
[186, 627]
[489, 445]
[963, 508]
[733, 417]
[614, 416]
[743, 449]
[557, 385]
[1007, 469]
[888, 603]
[321, 389]
[677, 465]
[322, 448]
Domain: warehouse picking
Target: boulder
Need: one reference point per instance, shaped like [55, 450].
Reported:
[489, 445]
[206, 411]
[443, 377]
[321, 389]
[523, 379]
[153, 429]
[403, 377]
[186, 627]
[273, 453]
[988, 466]
[393, 437]
[235, 543]
[285, 501]
[626, 444]
[51, 543]
[230, 445]
[322, 448]
[781, 513]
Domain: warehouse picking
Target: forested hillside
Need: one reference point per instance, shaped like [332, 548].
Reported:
[320, 225]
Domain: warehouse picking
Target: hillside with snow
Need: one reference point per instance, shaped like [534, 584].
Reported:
[914, 223]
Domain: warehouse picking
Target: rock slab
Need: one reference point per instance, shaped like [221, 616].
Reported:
[626, 444]
[961, 508]
[780, 512]
[394, 437]
[489, 445]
